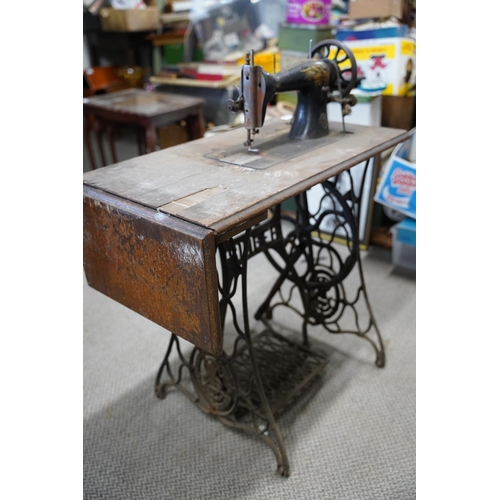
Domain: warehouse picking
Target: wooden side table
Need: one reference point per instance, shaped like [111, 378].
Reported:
[144, 109]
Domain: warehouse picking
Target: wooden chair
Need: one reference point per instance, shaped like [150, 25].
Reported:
[101, 79]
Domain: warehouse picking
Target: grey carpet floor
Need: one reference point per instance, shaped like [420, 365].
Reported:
[352, 437]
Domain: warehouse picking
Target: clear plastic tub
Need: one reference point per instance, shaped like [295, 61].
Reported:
[404, 244]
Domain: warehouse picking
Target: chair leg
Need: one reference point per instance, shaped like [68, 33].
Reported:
[151, 139]
[86, 136]
[141, 140]
[101, 127]
[111, 138]
[195, 126]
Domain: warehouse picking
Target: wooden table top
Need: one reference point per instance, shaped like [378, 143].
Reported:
[140, 102]
[216, 184]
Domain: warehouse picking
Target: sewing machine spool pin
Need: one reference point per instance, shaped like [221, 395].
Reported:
[330, 68]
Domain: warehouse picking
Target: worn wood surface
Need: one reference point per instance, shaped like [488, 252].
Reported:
[155, 264]
[147, 110]
[141, 102]
[222, 196]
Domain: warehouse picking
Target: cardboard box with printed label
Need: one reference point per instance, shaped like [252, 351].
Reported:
[397, 188]
[386, 61]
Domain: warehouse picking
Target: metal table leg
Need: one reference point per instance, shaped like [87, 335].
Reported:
[315, 267]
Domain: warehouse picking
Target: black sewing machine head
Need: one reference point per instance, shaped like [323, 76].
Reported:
[329, 74]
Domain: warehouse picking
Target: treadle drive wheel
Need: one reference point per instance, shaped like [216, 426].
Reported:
[343, 58]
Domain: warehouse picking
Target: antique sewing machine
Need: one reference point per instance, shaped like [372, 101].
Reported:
[328, 75]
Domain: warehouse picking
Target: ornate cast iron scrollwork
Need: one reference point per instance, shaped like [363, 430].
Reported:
[214, 382]
[248, 387]
[313, 267]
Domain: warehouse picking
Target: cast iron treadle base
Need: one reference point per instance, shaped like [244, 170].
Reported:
[286, 369]
[248, 388]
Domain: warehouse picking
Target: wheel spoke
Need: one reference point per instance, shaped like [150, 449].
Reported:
[338, 53]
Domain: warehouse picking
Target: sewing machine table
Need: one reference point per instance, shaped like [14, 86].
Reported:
[155, 225]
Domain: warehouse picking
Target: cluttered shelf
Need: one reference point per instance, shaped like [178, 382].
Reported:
[199, 53]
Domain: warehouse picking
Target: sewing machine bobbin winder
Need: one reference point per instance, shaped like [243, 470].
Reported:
[329, 75]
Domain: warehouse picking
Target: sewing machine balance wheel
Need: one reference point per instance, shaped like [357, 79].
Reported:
[344, 60]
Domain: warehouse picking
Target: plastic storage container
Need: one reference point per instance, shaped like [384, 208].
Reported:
[404, 244]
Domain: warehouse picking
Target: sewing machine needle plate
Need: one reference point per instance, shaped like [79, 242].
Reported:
[272, 150]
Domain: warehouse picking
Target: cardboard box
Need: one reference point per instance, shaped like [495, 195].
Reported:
[386, 61]
[172, 135]
[363, 9]
[400, 31]
[124, 20]
[397, 188]
[399, 111]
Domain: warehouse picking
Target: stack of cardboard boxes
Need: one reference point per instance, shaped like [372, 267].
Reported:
[381, 37]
